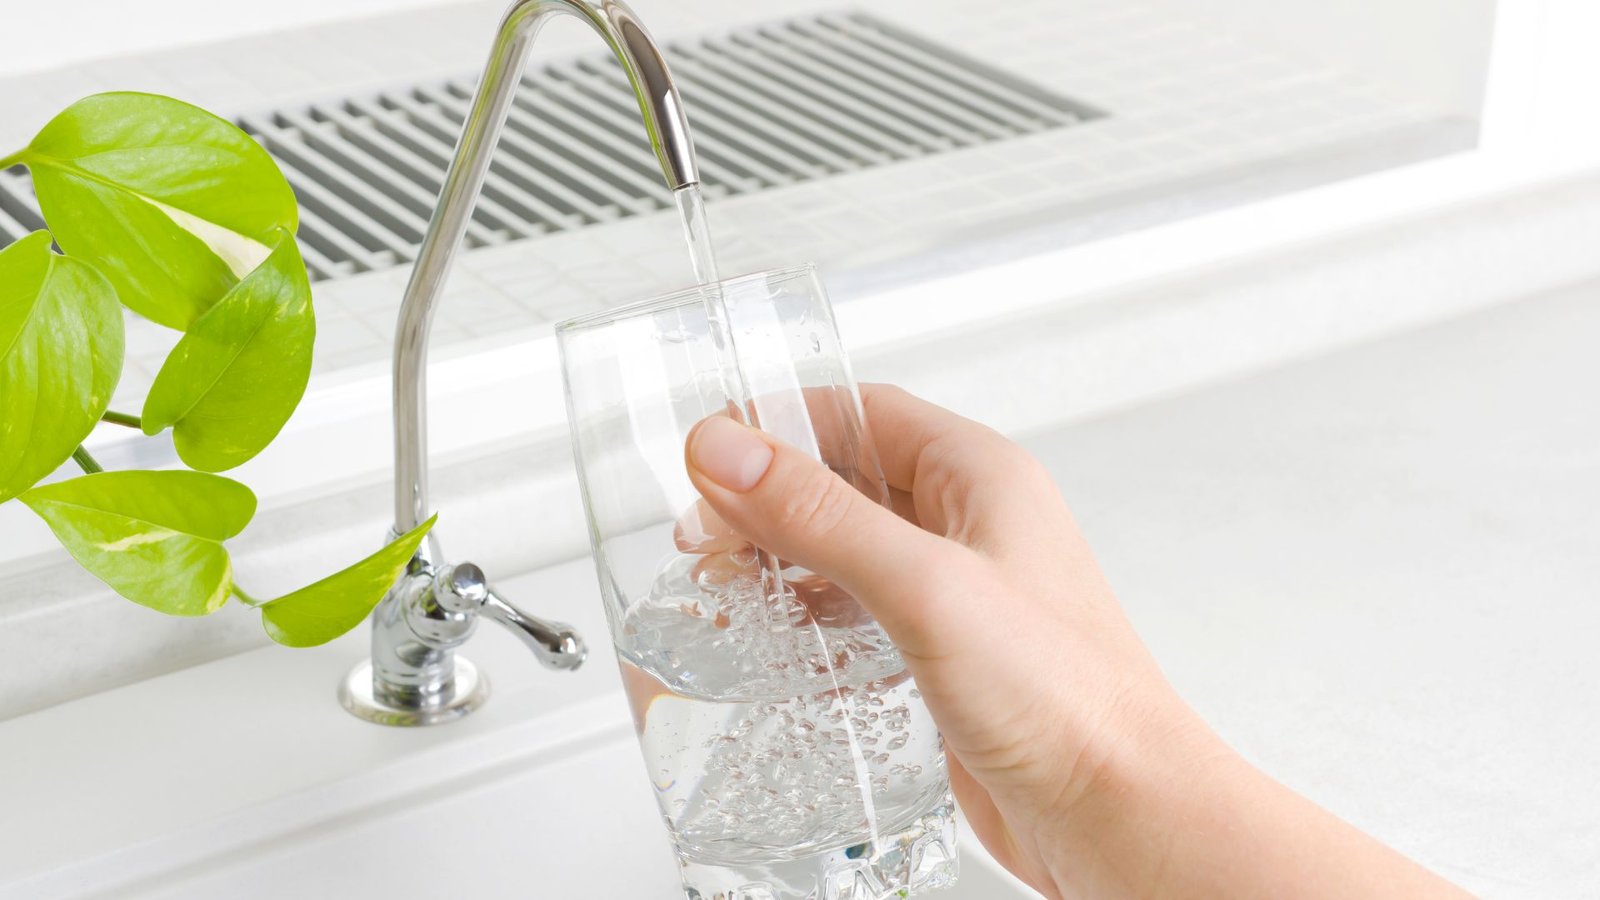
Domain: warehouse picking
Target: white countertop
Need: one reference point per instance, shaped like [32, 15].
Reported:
[1374, 572]
[1378, 575]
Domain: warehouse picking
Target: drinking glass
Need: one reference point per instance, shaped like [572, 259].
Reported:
[790, 752]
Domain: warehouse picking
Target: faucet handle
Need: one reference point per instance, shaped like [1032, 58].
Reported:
[556, 644]
[463, 588]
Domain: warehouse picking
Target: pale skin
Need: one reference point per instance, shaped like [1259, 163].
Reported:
[1076, 763]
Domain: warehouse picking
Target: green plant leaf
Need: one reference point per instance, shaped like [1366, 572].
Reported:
[321, 612]
[237, 376]
[159, 270]
[154, 537]
[60, 356]
[171, 202]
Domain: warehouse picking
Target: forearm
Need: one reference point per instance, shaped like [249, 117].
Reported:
[1179, 814]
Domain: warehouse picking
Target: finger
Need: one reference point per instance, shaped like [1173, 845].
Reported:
[904, 505]
[792, 505]
[967, 481]
[701, 530]
[904, 427]
[826, 603]
[720, 569]
[642, 689]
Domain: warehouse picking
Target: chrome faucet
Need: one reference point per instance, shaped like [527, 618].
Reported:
[414, 676]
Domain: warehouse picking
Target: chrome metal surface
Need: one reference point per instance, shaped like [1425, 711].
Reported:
[413, 643]
[461, 588]
[646, 73]
[435, 607]
[556, 645]
[356, 694]
[414, 676]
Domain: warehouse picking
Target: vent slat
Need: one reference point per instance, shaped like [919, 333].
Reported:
[428, 175]
[701, 93]
[386, 184]
[897, 130]
[927, 86]
[629, 167]
[771, 105]
[844, 87]
[622, 114]
[980, 80]
[848, 151]
[536, 192]
[18, 205]
[386, 226]
[333, 234]
[16, 212]
[10, 229]
[548, 165]
[436, 141]
[949, 121]
[317, 252]
[770, 162]
[872, 143]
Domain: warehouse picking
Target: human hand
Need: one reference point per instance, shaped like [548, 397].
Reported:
[1029, 668]
[1076, 763]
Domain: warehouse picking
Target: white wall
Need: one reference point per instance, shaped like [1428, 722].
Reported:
[56, 35]
[1432, 51]
[1433, 45]
[1567, 95]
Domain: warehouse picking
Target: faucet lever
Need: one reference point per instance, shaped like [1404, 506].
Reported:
[556, 644]
[463, 588]
[414, 676]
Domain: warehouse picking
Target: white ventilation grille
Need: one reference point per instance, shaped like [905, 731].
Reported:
[770, 106]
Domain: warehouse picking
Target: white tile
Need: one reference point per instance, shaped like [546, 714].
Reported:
[480, 306]
[505, 326]
[1182, 94]
[342, 335]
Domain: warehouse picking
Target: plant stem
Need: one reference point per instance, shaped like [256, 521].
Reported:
[245, 598]
[7, 162]
[85, 461]
[117, 418]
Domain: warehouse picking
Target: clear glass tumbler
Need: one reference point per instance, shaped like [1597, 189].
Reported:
[790, 751]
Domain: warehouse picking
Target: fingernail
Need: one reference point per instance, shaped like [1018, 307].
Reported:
[729, 453]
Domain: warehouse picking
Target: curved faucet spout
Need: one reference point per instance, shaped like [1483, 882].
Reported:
[665, 123]
[414, 676]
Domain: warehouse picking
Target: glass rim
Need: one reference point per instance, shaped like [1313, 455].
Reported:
[678, 297]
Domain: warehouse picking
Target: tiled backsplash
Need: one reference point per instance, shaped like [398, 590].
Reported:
[1186, 102]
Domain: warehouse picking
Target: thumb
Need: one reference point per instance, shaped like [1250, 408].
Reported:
[789, 504]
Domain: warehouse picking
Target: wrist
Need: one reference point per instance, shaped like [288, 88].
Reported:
[1127, 799]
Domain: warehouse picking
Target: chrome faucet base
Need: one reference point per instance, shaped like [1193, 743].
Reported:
[414, 676]
[357, 694]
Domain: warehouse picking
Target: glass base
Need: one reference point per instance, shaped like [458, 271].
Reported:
[909, 862]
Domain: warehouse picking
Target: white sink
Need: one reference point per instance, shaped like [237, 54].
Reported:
[577, 825]
[243, 778]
